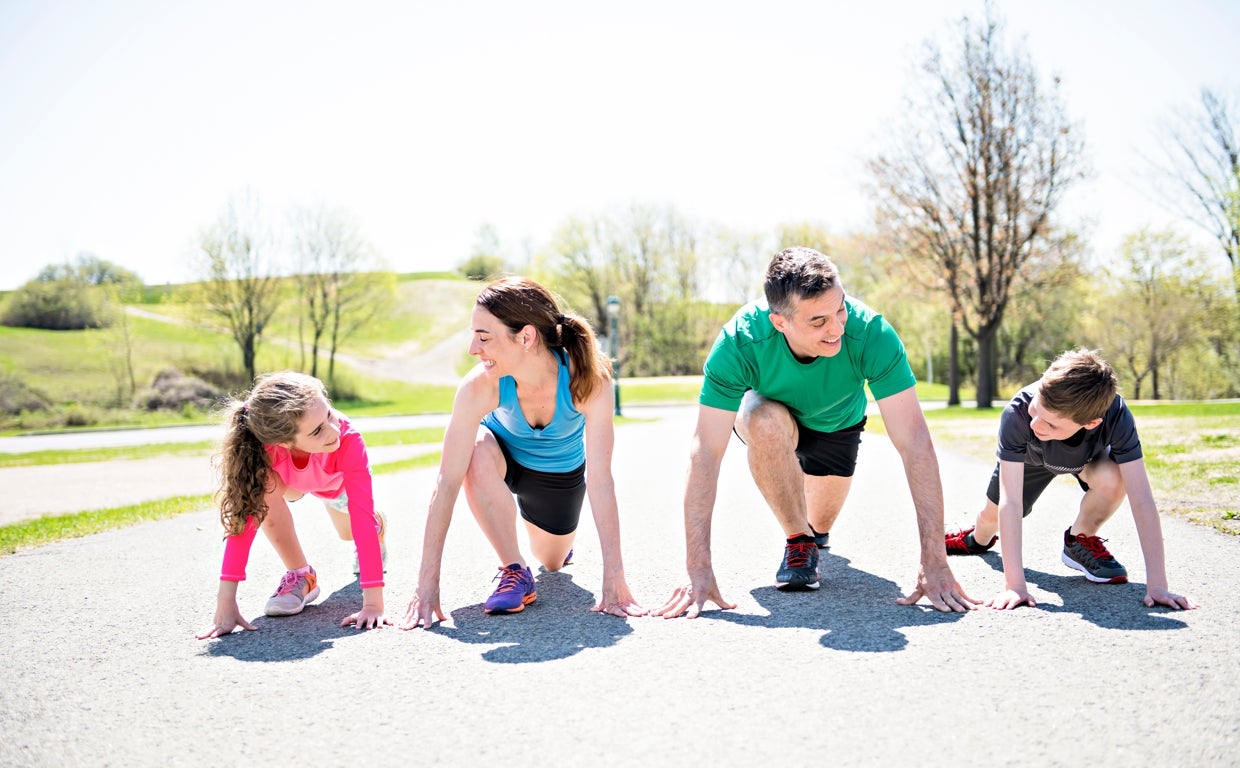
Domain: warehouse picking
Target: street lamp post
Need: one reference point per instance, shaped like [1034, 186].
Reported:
[613, 342]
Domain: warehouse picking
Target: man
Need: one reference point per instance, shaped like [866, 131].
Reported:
[789, 377]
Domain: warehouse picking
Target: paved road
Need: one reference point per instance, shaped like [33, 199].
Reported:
[101, 668]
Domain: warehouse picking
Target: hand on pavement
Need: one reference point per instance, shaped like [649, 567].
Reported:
[1011, 598]
[1170, 599]
[367, 618]
[690, 599]
[226, 620]
[940, 587]
[423, 610]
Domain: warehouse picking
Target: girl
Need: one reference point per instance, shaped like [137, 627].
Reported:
[283, 441]
[534, 419]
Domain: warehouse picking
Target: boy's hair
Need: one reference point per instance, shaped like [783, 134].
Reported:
[795, 274]
[267, 415]
[519, 301]
[1079, 385]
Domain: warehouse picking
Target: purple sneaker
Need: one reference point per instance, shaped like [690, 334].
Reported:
[515, 591]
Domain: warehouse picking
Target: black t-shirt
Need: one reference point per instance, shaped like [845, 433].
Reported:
[1116, 437]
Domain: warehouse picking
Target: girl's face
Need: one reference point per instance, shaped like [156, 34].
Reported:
[497, 348]
[318, 429]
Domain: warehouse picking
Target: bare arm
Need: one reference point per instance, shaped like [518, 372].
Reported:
[475, 397]
[710, 441]
[1011, 524]
[906, 426]
[601, 487]
[1149, 531]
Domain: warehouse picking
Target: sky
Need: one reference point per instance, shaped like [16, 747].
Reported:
[127, 126]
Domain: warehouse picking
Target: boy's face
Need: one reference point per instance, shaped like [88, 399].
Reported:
[1050, 425]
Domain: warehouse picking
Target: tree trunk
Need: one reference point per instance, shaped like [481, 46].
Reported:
[953, 366]
[987, 366]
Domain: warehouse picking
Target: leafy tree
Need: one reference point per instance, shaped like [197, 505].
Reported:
[486, 259]
[1203, 162]
[977, 172]
[338, 291]
[238, 275]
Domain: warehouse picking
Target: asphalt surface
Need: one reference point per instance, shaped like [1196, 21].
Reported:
[101, 667]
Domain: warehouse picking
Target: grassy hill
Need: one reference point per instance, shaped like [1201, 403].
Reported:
[80, 374]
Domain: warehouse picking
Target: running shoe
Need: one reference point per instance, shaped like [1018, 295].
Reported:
[1089, 555]
[293, 594]
[515, 591]
[961, 542]
[799, 569]
[568, 559]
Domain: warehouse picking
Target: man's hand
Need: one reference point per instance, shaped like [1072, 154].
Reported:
[689, 600]
[937, 584]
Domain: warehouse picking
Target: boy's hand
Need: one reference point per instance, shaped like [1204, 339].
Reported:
[1011, 598]
[1170, 599]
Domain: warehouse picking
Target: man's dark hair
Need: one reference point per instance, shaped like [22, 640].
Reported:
[796, 274]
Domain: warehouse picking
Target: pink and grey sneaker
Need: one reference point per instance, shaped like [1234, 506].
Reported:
[961, 542]
[515, 591]
[1089, 555]
[294, 593]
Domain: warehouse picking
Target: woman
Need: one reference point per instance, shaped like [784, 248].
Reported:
[530, 431]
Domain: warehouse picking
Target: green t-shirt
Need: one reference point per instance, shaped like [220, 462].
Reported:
[826, 394]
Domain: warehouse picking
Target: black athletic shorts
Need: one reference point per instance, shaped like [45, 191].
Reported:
[1037, 477]
[828, 453]
[550, 500]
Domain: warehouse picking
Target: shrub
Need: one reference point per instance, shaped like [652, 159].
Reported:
[175, 391]
[16, 396]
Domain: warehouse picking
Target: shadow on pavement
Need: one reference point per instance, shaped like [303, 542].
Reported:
[293, 638]
[856, 609]
[558, 625]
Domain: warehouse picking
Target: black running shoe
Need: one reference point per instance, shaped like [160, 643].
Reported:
[1089, 555]
[799, 570]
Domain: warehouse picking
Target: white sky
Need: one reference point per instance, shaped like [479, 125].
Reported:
[126, 125]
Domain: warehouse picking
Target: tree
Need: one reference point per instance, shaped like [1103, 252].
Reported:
[1156, 311]
[338, 292]
[486, 258]
[238, 275]
[1203, 161]
[979, 168]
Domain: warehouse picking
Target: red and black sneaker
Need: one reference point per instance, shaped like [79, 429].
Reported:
[799, 569]
[1089, 555]
[961, 542]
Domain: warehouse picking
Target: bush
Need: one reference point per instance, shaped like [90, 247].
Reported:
[56, 305]
[16, 396]
[174, 391]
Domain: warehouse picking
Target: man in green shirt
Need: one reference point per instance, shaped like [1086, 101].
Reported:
[789, 376]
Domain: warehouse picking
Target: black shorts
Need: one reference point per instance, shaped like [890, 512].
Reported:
[828, 453]
[1037, 477]
[549, 500]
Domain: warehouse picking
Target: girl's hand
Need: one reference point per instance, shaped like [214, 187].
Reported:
[367, 618]
[618, 601]
[423, 610]
[227, 618]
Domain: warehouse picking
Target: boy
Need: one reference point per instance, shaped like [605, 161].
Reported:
[1071, 421]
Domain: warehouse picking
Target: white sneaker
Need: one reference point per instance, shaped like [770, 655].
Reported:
[293, 594]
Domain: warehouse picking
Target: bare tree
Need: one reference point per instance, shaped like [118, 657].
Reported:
[1203, 161]
[338, 294]
[239, 278]
[969, 190]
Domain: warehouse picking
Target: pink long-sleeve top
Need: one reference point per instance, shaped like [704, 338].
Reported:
[326, 475]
